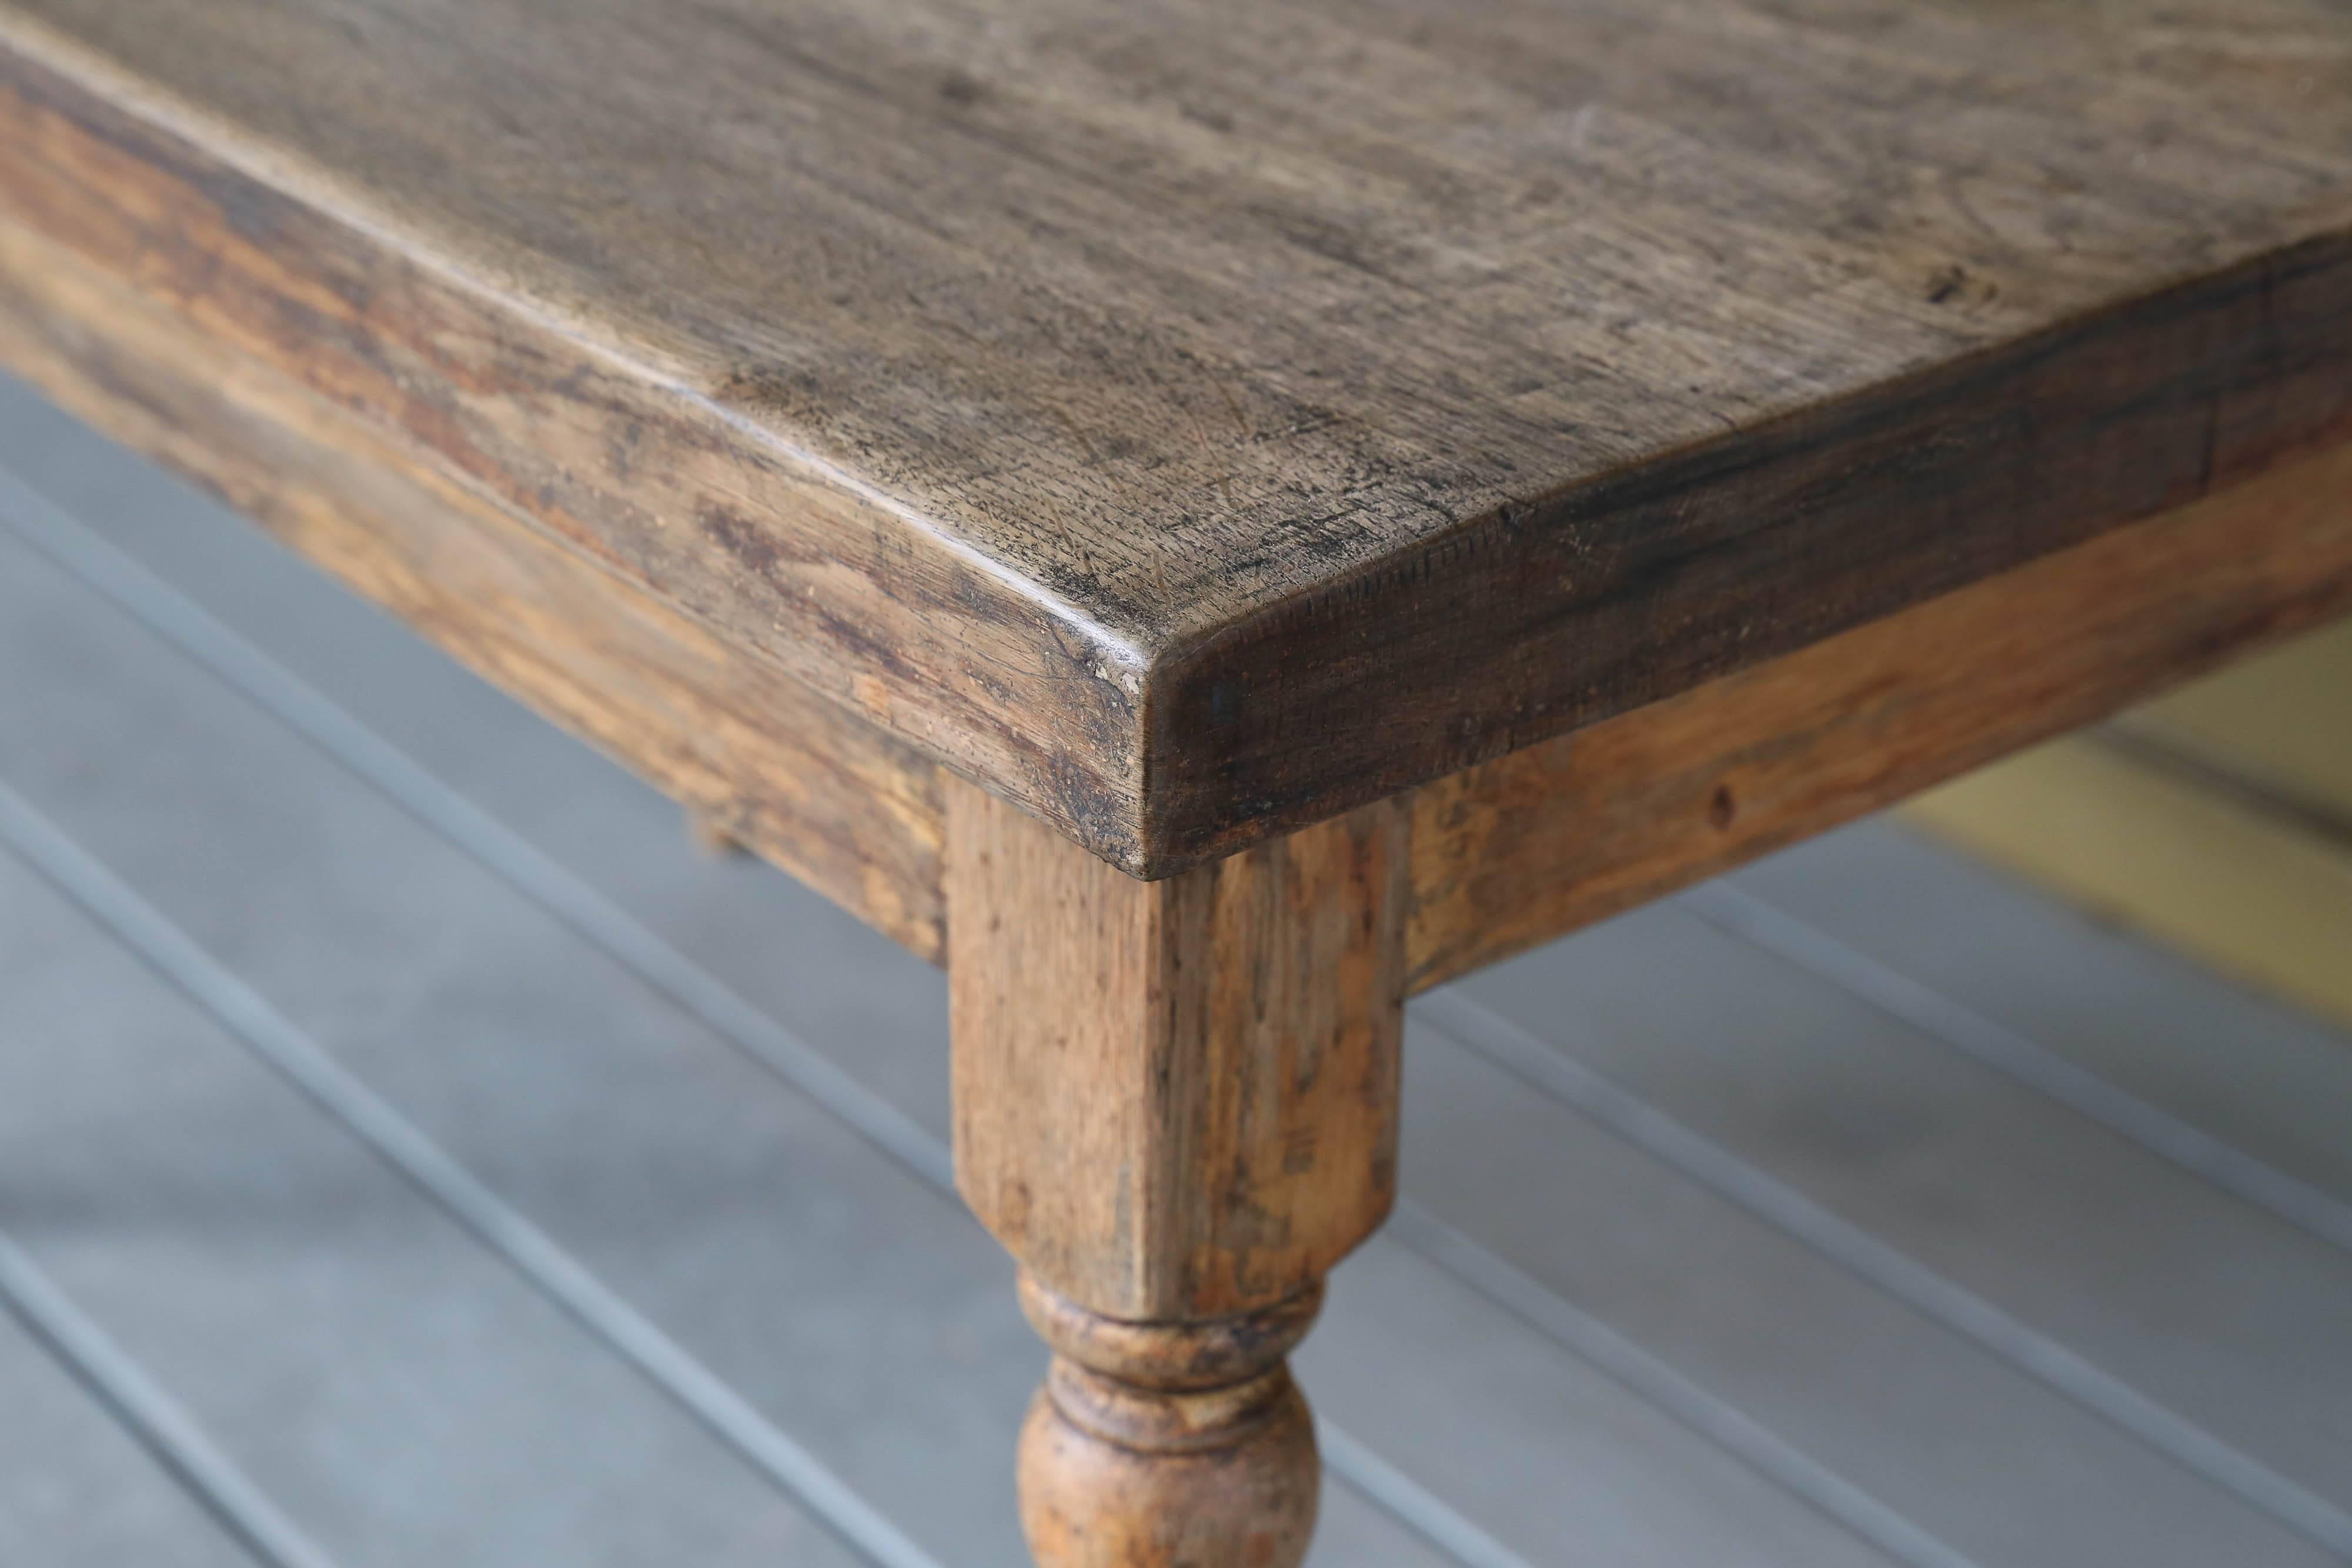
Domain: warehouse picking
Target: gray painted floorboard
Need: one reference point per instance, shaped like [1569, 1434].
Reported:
[1979, 1453]
[2226, 1315]
[2269, 1080]
[402, 1397]
[76, 1491]
[1633, 1372]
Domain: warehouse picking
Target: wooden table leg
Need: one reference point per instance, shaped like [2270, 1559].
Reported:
[1176, 1106]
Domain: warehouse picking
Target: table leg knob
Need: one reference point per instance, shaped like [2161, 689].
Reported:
[1170, 1445]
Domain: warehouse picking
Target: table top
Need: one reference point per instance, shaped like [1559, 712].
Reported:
[1192, 419]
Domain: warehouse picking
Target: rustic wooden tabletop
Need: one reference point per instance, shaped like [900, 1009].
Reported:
[1192, 419]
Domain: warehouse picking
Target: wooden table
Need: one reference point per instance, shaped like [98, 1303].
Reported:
[1210, 517]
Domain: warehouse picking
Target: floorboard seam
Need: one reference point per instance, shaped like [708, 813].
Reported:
[2018, 1056]
[1658, 1385]
[563, 1278]
[142, 1407]
[1551, 1072]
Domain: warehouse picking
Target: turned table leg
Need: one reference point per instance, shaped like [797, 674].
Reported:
[1176, 1106]
[1169, 1443]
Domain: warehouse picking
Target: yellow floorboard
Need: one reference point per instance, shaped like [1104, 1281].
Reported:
[2248, 892]
[2282, 720]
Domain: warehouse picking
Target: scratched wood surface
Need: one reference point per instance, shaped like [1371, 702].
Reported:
[1193, 419]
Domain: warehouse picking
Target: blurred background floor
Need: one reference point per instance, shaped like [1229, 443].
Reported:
[415, 1154]
[2217, 819]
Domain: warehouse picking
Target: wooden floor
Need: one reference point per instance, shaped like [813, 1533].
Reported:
[412, 1153]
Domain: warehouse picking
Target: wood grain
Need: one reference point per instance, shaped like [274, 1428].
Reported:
[840, 803]
[1534, 845]
[1191, 418]
[1176, 1100]
[761, 553]
[1175, 1104]
[1505, 855]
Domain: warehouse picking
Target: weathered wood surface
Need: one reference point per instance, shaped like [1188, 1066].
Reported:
[1176, 1105]
[1176, 1100]
[839, 802]
[1192, 419]
[1558, 836]
[1506, 853]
